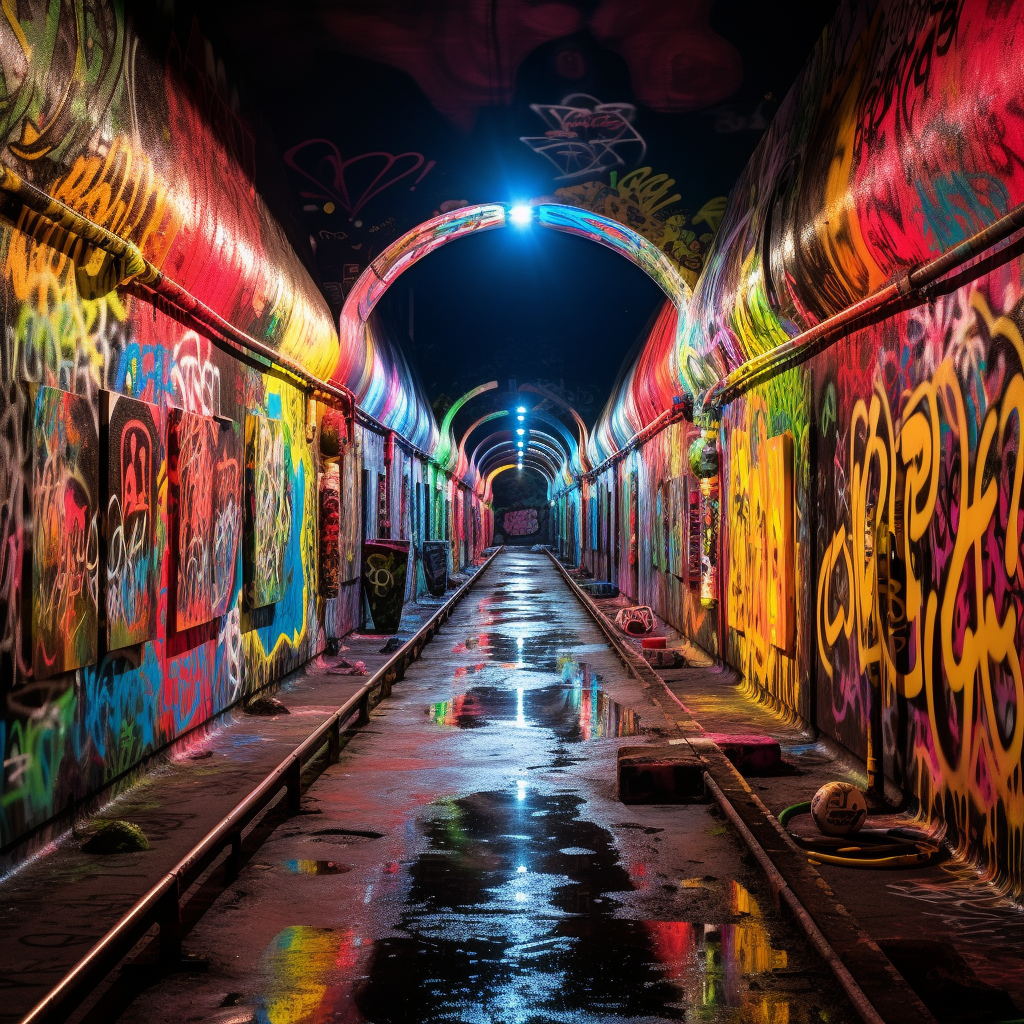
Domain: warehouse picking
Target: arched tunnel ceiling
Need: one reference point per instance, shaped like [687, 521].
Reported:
[390, 112]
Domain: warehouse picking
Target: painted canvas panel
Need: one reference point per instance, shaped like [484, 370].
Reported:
[781, 560]
[330, 530]
[190, 472]
[65, 551]
[227, 513]
[269, 505]
[133, 454]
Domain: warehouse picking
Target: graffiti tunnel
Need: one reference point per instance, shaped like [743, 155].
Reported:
[615, 614]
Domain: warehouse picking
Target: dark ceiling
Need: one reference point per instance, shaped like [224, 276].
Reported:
[389, 111]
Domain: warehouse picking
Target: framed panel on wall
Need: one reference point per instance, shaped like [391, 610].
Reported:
[65, 548]
[134, 453]
[190, 458]
[268, 504]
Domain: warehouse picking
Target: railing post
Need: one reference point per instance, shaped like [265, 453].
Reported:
[233, 863]
[294, 784]
[169, 921]
[364, 710]
[334, 742]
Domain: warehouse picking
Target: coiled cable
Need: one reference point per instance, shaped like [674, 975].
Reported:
[874, 848]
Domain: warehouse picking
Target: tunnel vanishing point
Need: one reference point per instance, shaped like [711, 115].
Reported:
[741, 479]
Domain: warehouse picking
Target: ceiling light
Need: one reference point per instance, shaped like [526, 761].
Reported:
[521, 408]
[520, 431]
[521, 215]
[520, 418]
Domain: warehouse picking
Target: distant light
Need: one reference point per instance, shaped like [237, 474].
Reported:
[521, 215]
[521, 408]
[520, 443]
[521, 870]
[520, 431]
[520, 418]
[521, 786]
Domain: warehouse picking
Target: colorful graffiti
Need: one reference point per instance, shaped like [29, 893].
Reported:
[136, 132]
[190, 471]
[65, 553]
[269, 504]
[227, 514]
[644, 201]
[920, 591]
[133, 456]
[330, 531]
[893, 514]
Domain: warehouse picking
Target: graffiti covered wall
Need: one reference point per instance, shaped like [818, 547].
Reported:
[869, 550]
[906, 474]
[104, 659]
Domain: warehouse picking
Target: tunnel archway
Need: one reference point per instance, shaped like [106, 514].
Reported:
[359, 363]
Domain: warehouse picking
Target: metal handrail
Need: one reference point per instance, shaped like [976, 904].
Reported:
[161, 905]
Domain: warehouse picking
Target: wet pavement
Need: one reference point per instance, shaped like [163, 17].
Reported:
[953, 935]
[467, 859]
[56, 905]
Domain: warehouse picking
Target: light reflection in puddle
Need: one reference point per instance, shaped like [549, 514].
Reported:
[464, 711]
[577, 711]
[316, 867]
[301, 968]
[508, 918]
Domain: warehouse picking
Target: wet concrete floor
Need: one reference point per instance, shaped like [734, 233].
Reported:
[467, 859]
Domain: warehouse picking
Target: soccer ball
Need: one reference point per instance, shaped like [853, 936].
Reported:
[839, 808]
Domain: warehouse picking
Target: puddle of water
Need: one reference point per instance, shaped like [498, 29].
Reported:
[508, 919]
[523, 645]
[299, 967]
[577, 711]
[316, 867]
[465, 711]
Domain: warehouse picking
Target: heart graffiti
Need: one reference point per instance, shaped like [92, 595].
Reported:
[319, 162]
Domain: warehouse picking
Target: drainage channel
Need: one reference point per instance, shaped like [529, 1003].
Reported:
[467, 859]
[179, 898]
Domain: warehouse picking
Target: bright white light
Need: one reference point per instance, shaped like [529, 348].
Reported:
[520, 418]
[521, 408]
[520, 710]
[521, 870]
[519, 643]
[521, 215]
[520, 444]
[521, 795]
[520, 431]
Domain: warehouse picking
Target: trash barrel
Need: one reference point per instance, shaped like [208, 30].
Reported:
[435, 566]
[385, 563]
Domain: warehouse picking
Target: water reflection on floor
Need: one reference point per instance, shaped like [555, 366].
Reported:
[513, 907]
[576, 710]
[510, 918]
[316, 867]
